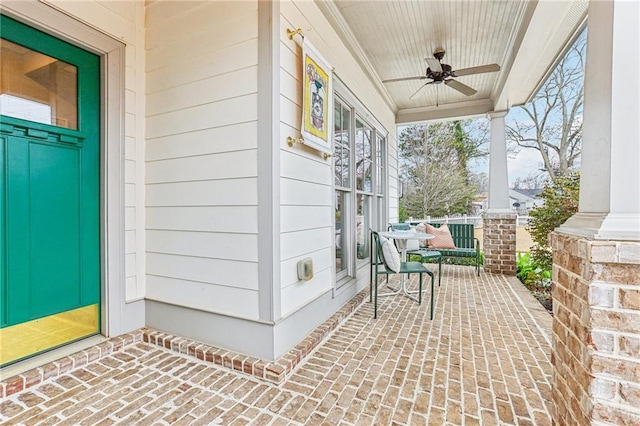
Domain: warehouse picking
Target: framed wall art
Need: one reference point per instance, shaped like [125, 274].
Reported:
[317, 99]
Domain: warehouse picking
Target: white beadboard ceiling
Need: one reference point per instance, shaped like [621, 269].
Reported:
[391, 39]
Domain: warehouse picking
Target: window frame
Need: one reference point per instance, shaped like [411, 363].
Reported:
[377, 194]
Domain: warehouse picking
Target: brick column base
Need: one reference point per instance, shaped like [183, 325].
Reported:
[596, 331]
[499, 243]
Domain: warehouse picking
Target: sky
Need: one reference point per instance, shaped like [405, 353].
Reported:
[520, 165]
[526, 162]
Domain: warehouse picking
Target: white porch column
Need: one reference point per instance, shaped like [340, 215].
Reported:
[498, 176]
[610, 161]
[596, 261]
[499, 222]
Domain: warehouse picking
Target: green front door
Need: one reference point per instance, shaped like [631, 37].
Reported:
[49, 192]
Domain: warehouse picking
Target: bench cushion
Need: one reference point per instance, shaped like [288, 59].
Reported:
[459, 252]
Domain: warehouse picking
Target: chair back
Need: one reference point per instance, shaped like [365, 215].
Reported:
[399, 227]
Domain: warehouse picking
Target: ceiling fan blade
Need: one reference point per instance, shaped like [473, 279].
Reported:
[434, 64]
[476, 70]
[419, 89]
[460, 87]
[393, 80]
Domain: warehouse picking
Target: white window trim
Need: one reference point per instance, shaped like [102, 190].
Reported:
[342, 92]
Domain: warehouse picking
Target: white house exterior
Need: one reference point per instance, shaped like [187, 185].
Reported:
[205, 210]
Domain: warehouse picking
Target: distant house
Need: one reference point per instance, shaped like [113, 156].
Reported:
[523, 200]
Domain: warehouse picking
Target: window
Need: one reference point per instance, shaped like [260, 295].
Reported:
[380, 179]
[342, 163]
[359, 181]
[37, 87]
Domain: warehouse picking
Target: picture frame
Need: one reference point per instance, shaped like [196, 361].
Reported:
[317, 99]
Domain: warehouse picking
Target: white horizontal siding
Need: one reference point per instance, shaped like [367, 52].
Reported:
[322, 262]
[301, 292]
[216, 114]
[235, 192]
[296, 166]
[233, 301]
[307, 196]
[211, 36]
[120, 22]
[223, 61]
[235, 137]
[227, 165]
[201, 170]
[183, 20]
[203, 244]
[295, 244]
[297, 192]
[219, 272]
[295, 218]
[235, 219]
[213, 89]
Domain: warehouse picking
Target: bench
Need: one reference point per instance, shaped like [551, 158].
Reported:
[467, 245]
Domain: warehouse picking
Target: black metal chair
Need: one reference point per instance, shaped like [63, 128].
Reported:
[378, 261]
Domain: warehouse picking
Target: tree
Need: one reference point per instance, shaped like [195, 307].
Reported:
[560, 202]
[532, 181]
[434, 168]
[553, 123]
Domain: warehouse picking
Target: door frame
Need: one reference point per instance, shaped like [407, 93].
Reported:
[118, 316]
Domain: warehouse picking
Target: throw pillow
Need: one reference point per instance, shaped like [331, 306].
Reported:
[390, 254]
[443, 238]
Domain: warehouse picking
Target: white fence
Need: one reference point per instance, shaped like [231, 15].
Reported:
[476, 220]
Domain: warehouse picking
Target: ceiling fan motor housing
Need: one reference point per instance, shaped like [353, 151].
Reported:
[438, 77]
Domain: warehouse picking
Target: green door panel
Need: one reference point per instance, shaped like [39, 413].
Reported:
[50, 196]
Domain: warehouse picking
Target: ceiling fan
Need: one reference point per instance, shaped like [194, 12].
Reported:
[439, 73]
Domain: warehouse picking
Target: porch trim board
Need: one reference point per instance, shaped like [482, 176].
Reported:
[268, 161]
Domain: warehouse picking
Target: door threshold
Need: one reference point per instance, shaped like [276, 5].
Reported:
[50, 356]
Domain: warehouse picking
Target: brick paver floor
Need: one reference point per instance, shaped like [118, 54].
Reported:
[484, 359]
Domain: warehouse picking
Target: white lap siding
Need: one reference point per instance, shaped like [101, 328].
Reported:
[124, 20]
[306, 185]
[201, 156]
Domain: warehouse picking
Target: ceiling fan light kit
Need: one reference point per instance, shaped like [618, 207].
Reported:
[440, 73]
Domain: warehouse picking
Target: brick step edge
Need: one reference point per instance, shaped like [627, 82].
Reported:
[274, 372]
[57, 368]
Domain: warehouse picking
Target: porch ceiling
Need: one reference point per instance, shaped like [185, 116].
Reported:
[391, 39]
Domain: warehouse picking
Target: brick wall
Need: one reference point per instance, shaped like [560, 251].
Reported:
[499, 243]
[596, 327]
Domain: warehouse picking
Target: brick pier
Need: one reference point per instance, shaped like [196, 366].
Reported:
[499, 243]
[596, 327]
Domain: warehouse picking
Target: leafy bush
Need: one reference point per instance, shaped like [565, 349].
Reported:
[560, 202]
[531, 273]
[536, 279]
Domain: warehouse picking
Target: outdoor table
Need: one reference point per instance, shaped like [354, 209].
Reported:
[401, 238]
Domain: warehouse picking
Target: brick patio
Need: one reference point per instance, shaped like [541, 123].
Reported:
[484, 359]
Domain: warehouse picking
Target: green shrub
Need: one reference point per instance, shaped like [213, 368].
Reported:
[532, 274]
[560, 202]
